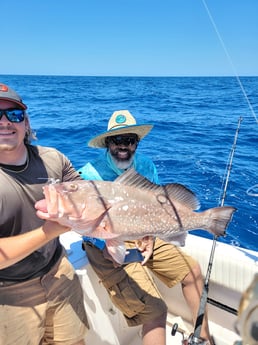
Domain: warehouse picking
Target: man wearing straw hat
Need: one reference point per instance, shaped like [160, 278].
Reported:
[130, 286]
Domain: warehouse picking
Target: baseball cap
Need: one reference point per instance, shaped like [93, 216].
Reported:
[6, 93]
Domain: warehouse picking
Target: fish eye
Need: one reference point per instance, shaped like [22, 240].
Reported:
[73, 187]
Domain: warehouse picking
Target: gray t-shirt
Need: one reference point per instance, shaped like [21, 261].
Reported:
[19, 190]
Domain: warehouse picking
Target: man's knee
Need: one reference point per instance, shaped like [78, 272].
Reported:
[194, 275]
[81, 342]
[158, 322]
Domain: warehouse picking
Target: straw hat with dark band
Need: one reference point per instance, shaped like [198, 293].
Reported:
[121, 122]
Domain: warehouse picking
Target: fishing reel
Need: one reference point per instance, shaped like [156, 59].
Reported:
[187, 339]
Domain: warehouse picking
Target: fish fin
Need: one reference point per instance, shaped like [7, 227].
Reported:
[131, 178]
[182, 194]
[117, 250]
[170, 191]
[102, 233]
[178, 239]
[104, 230]
[219, 218]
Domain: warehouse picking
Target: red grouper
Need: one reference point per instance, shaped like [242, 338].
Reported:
[129, 208]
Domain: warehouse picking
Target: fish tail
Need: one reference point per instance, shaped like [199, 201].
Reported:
[219, 218]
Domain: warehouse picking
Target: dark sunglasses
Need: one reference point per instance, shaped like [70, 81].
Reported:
[13, 115]
[123, 140]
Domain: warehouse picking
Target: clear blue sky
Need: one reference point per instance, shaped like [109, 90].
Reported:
[129, 37]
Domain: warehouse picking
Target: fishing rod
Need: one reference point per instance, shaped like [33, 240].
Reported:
[204, 297]
[195, 338]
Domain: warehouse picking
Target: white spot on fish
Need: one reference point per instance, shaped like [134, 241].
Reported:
[118, 199]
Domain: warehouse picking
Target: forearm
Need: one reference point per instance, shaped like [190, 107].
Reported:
[16, 248]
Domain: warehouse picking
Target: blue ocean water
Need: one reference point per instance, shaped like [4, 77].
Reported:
[195, 121]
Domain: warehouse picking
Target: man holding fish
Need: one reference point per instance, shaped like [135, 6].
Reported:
[120, 201]
[40, 293]
[130, 286]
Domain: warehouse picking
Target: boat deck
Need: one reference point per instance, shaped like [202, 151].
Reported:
[232, 272]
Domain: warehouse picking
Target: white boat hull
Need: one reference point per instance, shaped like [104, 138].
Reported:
[233, 269]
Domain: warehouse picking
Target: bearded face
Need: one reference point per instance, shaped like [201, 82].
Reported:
[122, 149]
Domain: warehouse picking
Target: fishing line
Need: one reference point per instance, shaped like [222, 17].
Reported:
[229, 165]
[252, 191]
[230, 61]
[204, 296]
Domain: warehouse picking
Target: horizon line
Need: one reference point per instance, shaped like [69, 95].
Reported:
[128, 76]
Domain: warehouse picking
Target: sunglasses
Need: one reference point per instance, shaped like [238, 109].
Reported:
[13, 115]
[123, 140]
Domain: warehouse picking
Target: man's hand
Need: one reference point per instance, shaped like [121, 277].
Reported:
[42, 213]
[146, 245]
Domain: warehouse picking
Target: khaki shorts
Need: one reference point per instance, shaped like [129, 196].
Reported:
[131, 287]
[45, 310]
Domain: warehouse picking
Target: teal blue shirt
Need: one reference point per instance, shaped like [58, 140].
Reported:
[103, 168]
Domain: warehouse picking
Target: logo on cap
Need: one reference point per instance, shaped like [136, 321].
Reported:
[3, 88]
